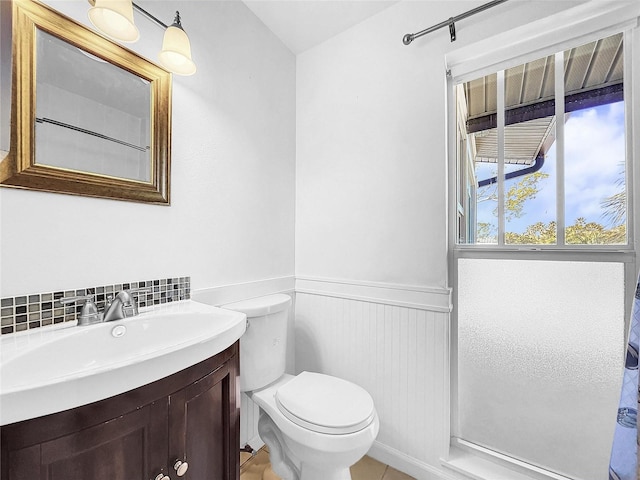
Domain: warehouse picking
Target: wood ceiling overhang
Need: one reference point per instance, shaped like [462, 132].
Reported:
[593, 77]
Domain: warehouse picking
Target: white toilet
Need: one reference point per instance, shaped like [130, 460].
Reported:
[316, 426]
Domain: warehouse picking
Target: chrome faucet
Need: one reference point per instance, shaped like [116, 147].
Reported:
[124, 305]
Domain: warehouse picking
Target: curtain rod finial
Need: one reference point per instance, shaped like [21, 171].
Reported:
[407, 39]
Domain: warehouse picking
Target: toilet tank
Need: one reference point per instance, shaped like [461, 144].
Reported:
[263, 346]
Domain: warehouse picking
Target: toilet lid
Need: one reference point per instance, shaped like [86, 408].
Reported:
[325, 404]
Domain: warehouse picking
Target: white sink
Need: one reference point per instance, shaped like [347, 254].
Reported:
[48, 370]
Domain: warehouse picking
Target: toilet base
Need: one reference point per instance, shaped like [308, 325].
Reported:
[280, 461]
[285, 464]
[310, 473]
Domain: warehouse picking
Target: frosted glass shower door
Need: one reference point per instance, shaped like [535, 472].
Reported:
[540, 351]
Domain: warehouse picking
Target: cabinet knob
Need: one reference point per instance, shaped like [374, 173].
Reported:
[162, 476]
[180, 467]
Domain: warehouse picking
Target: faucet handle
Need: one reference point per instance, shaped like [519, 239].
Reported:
[77, 298]
[89, 313]
[135, 291]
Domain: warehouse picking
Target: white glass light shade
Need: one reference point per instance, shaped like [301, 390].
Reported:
[176, 52]
[114, 18]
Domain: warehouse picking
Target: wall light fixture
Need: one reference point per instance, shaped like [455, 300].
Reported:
[114, 18]
[176, 50]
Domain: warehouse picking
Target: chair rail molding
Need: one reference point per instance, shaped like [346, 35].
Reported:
[435, 299]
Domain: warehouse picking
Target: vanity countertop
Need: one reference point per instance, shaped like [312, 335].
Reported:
[52, 369]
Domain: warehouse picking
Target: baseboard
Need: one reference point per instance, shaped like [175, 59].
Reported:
[389, 456]
[241, 291]
[256, 443]
[406, 464]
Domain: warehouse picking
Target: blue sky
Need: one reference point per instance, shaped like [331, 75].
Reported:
[594, 163]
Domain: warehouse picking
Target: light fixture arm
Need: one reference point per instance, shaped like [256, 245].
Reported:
[148, 15]
[176, 21]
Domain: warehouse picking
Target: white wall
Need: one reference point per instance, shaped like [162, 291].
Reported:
[371, 159]
[371, 215]
[231, 218]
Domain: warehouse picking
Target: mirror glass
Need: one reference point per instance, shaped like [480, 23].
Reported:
[91, 116]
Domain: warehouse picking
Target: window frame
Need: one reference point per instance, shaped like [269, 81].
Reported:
[576, 26]
[560, 164]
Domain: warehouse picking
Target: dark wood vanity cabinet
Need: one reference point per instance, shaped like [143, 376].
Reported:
[191, 416]
[124, 447]
[200, 434]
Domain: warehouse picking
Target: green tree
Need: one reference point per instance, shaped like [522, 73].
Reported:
[592, 233]
[580, 233]
[487, 233]
[540, 233]
[615, 206]
[526, 188]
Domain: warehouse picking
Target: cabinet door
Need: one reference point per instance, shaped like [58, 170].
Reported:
[132, 446]
[204, 426]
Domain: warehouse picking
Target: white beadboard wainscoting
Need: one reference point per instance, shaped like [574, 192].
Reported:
[249, 415]
[393, 340]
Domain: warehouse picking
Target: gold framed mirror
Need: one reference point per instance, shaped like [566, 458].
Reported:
[88, 117]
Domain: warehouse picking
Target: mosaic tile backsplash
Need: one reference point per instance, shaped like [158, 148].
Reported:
[39, 310]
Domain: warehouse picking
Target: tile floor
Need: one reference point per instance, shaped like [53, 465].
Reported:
[258, 468]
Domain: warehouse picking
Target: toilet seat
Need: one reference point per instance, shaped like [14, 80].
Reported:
[325, 404]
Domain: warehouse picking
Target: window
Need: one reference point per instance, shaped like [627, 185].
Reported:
[527, 179]
[540, 358]
[541, 243]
